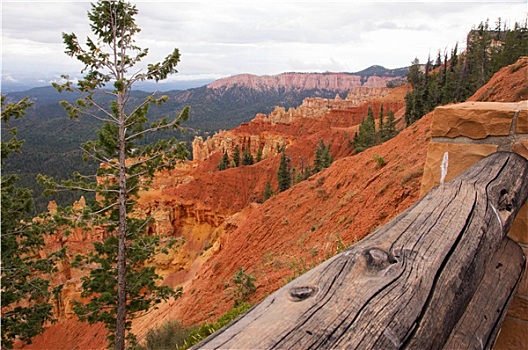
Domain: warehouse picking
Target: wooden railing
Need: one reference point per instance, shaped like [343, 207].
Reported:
[439, 276]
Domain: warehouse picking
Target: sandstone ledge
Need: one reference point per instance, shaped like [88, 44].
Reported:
[522, 119]
[518, 231]
[461, 157]
[476, 120]
[521, 148]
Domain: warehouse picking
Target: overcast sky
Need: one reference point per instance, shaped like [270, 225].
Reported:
[218, 39]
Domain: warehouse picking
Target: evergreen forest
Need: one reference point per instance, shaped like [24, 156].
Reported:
[454, 79]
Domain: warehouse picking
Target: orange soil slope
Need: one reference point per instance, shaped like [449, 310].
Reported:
[509, 84]
[308, 223]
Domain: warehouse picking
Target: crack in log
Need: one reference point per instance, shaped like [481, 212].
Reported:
[437, 276]
[380, 294]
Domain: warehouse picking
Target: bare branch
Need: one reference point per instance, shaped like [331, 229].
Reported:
[94, 157]
[156, 128]
[104, 209]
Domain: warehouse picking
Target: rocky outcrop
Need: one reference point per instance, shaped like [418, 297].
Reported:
[470, 131]
[268, 142]
[314, 107]
[475, 120]
[302, 81]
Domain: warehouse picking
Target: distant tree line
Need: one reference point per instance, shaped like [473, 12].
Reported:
[368, 135]
[455, 79]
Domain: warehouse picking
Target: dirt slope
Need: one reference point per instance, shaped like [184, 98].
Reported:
[300, 227]
[509, 84]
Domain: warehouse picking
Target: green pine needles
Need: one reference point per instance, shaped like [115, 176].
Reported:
[453, 80]
[119, 285]
[27, 294]
[283, 174]
[323, 158]
[368, 135]
[238, 160]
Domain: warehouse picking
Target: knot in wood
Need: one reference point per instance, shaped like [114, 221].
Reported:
[506, 201]
[378, 258]
[302, 293]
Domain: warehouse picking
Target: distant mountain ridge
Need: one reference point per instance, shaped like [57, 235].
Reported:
[374, 76]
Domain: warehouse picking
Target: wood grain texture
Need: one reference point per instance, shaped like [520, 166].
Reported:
[411, 283]
[480, 325]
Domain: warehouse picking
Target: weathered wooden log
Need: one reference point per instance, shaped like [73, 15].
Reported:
[479, 326]
[426, 280]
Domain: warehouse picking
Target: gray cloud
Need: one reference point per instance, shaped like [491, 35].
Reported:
[219, 39]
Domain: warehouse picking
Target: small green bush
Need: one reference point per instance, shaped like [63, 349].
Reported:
[245, 286]
[197, 335]
[379, 159]
[171, 335]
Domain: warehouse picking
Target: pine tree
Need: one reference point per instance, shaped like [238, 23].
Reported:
[414, 104]
[381, 134]
[438, 62]
[514, 46]
[454, 57]
[415, 77]
[224, 162]
[426, 93]
[366, 134]
[259, 155]
[323, 158]
[449, 87]
[119, 285]
[26, 293]
[370, 128]
[247, 157]
[390, 127]
[358, 142]
[236, 156]
[283, 174]
[268, 192]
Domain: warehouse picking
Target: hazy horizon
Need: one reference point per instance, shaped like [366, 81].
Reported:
[218, 40]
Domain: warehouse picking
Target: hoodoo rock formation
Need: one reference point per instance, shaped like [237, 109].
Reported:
[268, 141]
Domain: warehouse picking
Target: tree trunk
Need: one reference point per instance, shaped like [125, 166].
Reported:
[121, 315]
[438, 276]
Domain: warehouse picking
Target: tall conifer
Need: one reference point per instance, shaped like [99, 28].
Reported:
[119, 285]
[283, 174]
